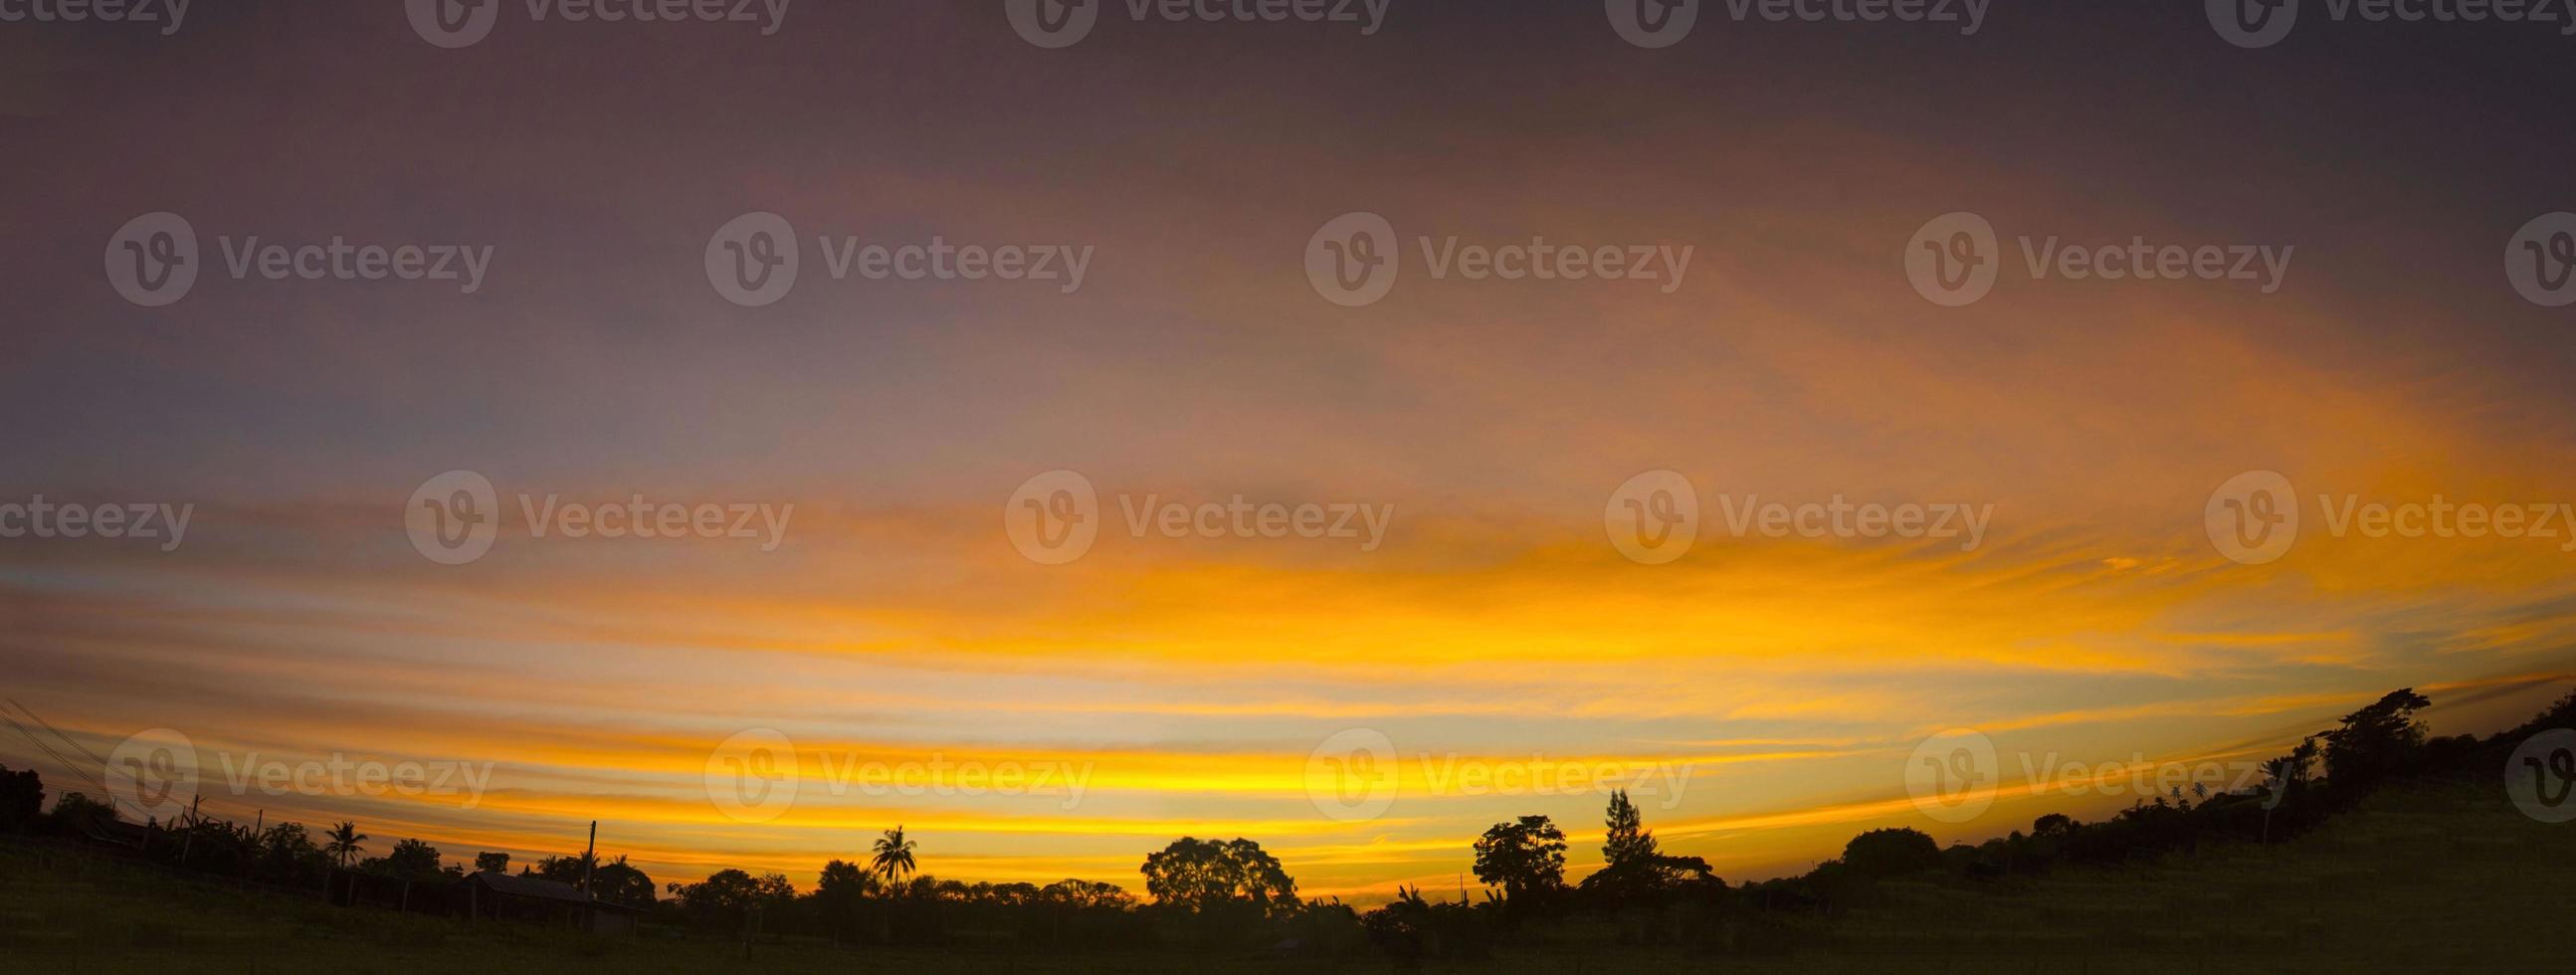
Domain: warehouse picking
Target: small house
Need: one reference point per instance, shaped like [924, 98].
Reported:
[497, 895]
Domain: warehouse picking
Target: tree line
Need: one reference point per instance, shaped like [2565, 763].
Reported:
[1218, 894]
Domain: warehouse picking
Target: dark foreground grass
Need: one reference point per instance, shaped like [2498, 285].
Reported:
[2422, 878]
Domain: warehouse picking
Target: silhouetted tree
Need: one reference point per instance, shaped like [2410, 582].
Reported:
[841, 894]
[1628, 840]
[846, 880]
[287, 854]
[410, 860]
[1201, 875]
[499, 862]
[76, 808]
[2375, 741]
[1891, 852]
[2290, 772]
[344, 841]
[893, 855]
[1638, 873]
[567, 869]
[725, 901]
[22, 794]
[1525, 858]
[1077, 892]
[1410, 929]
[2559, 714]
[620, 882]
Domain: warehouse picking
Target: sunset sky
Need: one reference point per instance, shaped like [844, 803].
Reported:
[1766, 694]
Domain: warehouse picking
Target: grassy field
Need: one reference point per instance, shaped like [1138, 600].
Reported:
[2421, 879]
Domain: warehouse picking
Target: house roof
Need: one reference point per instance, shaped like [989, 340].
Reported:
[518, 886]
[104, 826]
[514, 885]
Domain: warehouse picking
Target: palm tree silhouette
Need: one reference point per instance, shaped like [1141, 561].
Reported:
[345, 841]
[893, 854]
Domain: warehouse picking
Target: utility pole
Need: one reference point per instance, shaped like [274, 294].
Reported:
[261, 826]
[589, 856]
[589, 859]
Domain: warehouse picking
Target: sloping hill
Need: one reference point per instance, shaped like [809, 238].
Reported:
[2423, 877]
[2438, 876]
